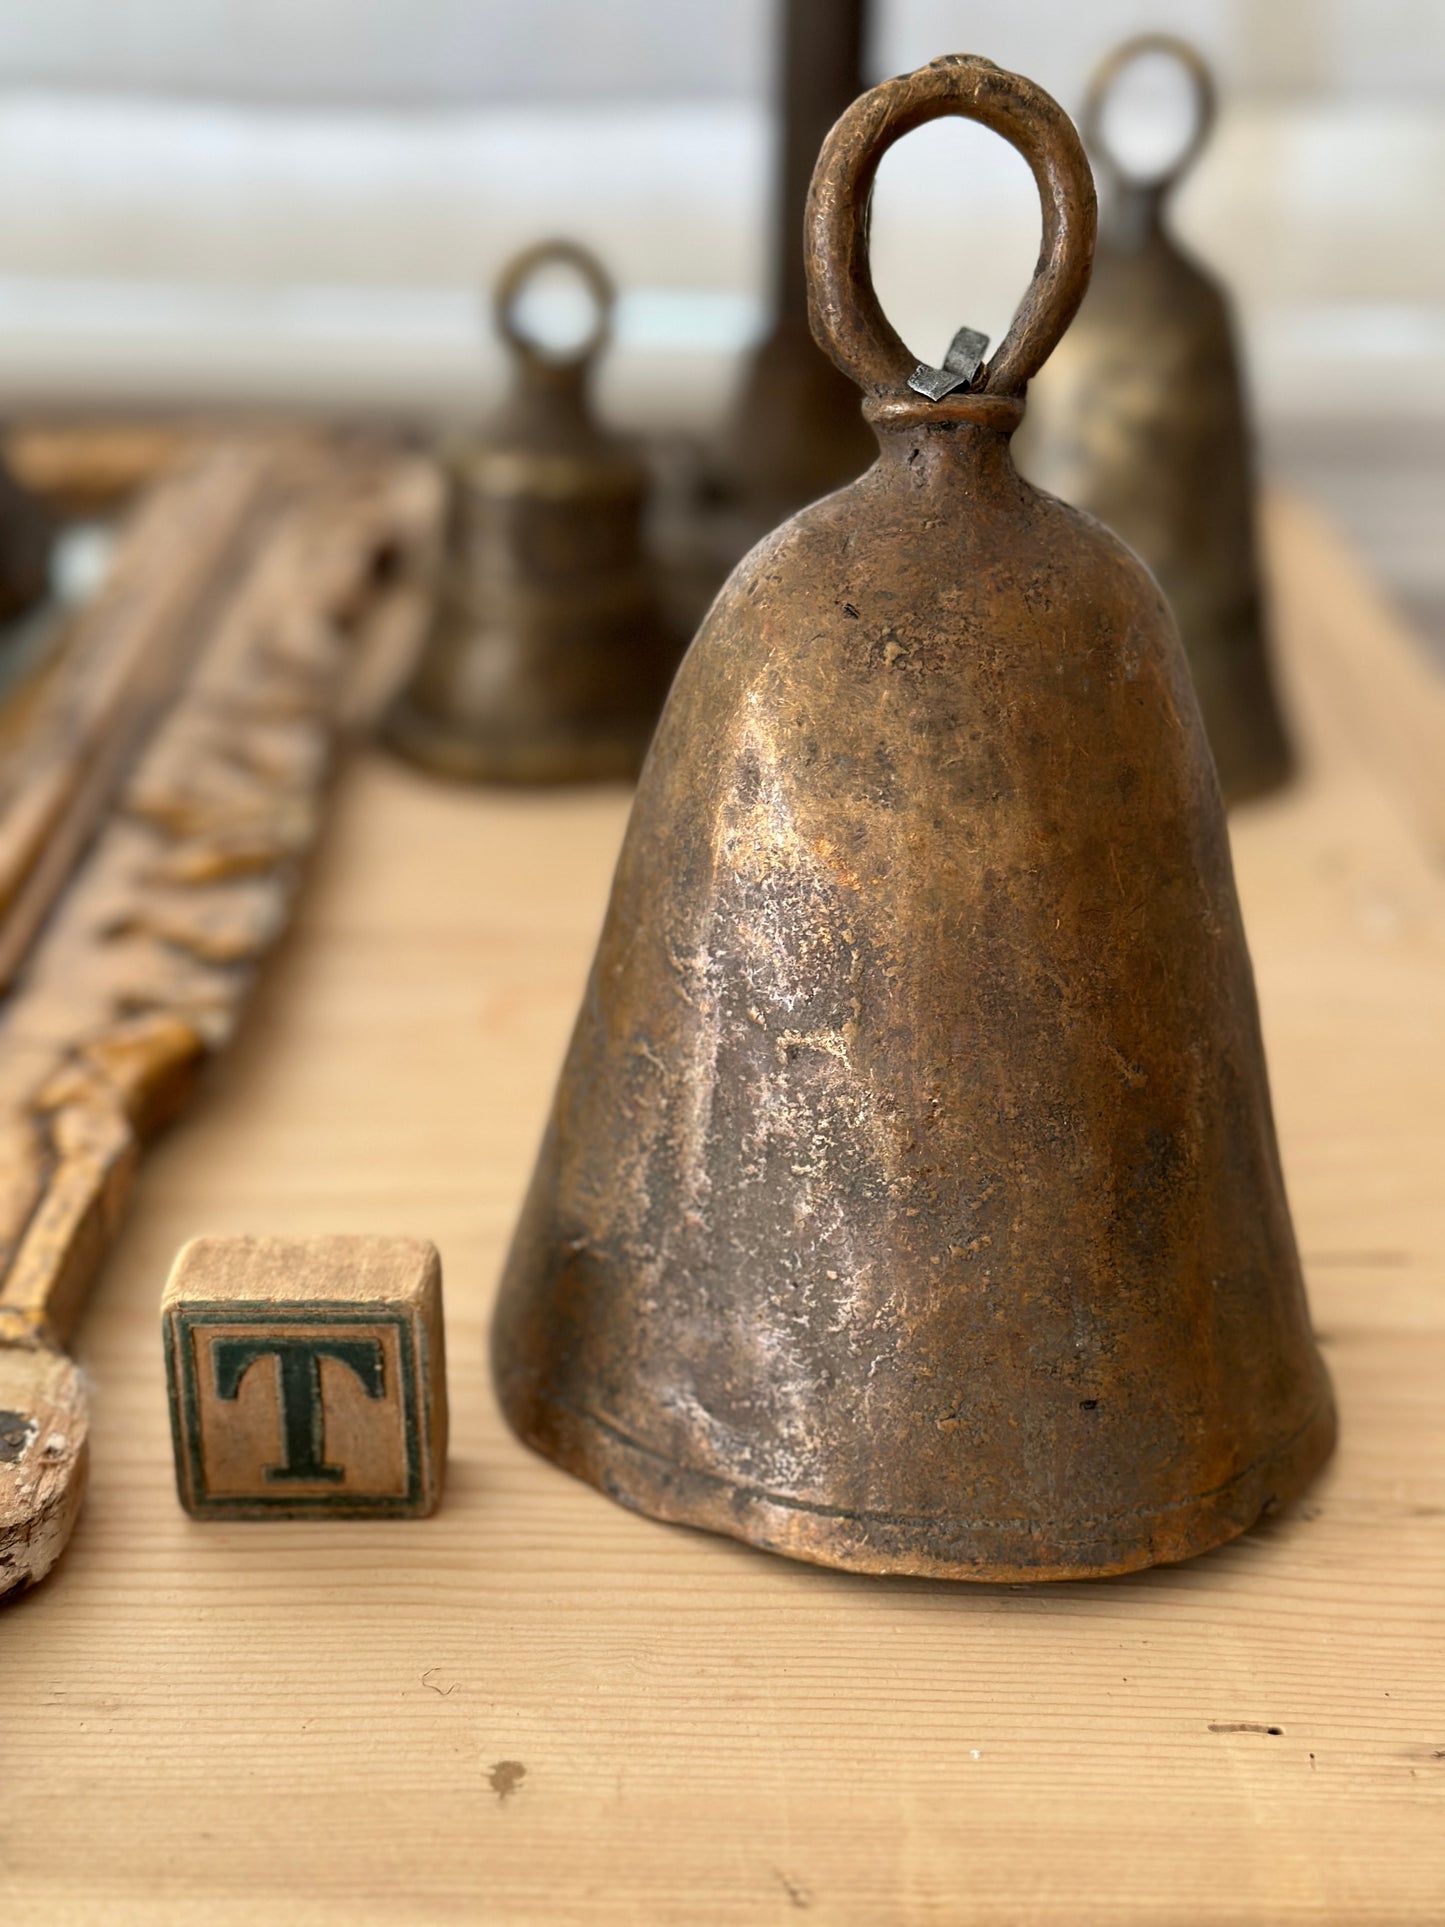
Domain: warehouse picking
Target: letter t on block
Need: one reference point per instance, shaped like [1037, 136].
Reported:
[307, 1377]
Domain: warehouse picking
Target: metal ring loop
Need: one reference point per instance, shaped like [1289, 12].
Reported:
[1102, 83]
[520, 270]
[847, 321]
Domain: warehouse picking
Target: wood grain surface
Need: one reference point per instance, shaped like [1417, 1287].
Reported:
[536, 1708]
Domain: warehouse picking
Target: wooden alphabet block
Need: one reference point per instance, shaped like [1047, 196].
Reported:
[307, 1377]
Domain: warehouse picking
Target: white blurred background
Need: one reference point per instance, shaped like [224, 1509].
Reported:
[296, 203]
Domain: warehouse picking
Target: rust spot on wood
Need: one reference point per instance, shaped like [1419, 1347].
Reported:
[505, 1778]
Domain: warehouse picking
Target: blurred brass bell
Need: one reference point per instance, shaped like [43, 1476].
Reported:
[797, 430]
[1141, 419]
[549, 658]
[910, 1201]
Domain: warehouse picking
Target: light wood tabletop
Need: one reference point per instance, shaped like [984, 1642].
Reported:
[537, 1708]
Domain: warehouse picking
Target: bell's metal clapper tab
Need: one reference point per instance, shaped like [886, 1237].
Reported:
[962, 366]
[910, 1200]
[549, 656]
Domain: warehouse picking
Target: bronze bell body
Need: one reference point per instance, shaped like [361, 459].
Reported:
[910, 1202]
[1140, 418]
[549, 657]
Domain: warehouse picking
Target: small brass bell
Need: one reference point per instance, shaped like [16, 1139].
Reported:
[910, 1200]
[1140, 418]
[549, 657]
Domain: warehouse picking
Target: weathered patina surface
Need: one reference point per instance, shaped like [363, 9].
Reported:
[910, 1201]
[1140, 417]
[550, 656]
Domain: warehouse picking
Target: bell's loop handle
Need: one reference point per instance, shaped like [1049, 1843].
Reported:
[1102, 83]
[847, 320]
[513, 281]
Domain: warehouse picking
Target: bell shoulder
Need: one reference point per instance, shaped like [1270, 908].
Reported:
[1091, 561]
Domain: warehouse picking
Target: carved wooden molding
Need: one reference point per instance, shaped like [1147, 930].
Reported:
[153, 820]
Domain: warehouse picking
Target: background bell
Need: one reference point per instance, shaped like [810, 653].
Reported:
[794, 430]
[1140, 418]
[797, 430]
[549, 657]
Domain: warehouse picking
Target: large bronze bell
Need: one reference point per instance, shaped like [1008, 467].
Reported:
[910, 1201]
[549, 657]
[1140, 418]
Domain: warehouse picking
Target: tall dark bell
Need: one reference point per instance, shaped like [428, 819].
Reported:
[910, 1200]
[1140, 417]
[796, 430]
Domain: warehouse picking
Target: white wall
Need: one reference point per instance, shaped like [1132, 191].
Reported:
[391, 52]
[423, 52]
[293, 201]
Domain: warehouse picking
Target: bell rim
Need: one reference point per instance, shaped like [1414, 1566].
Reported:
[645, 1481]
